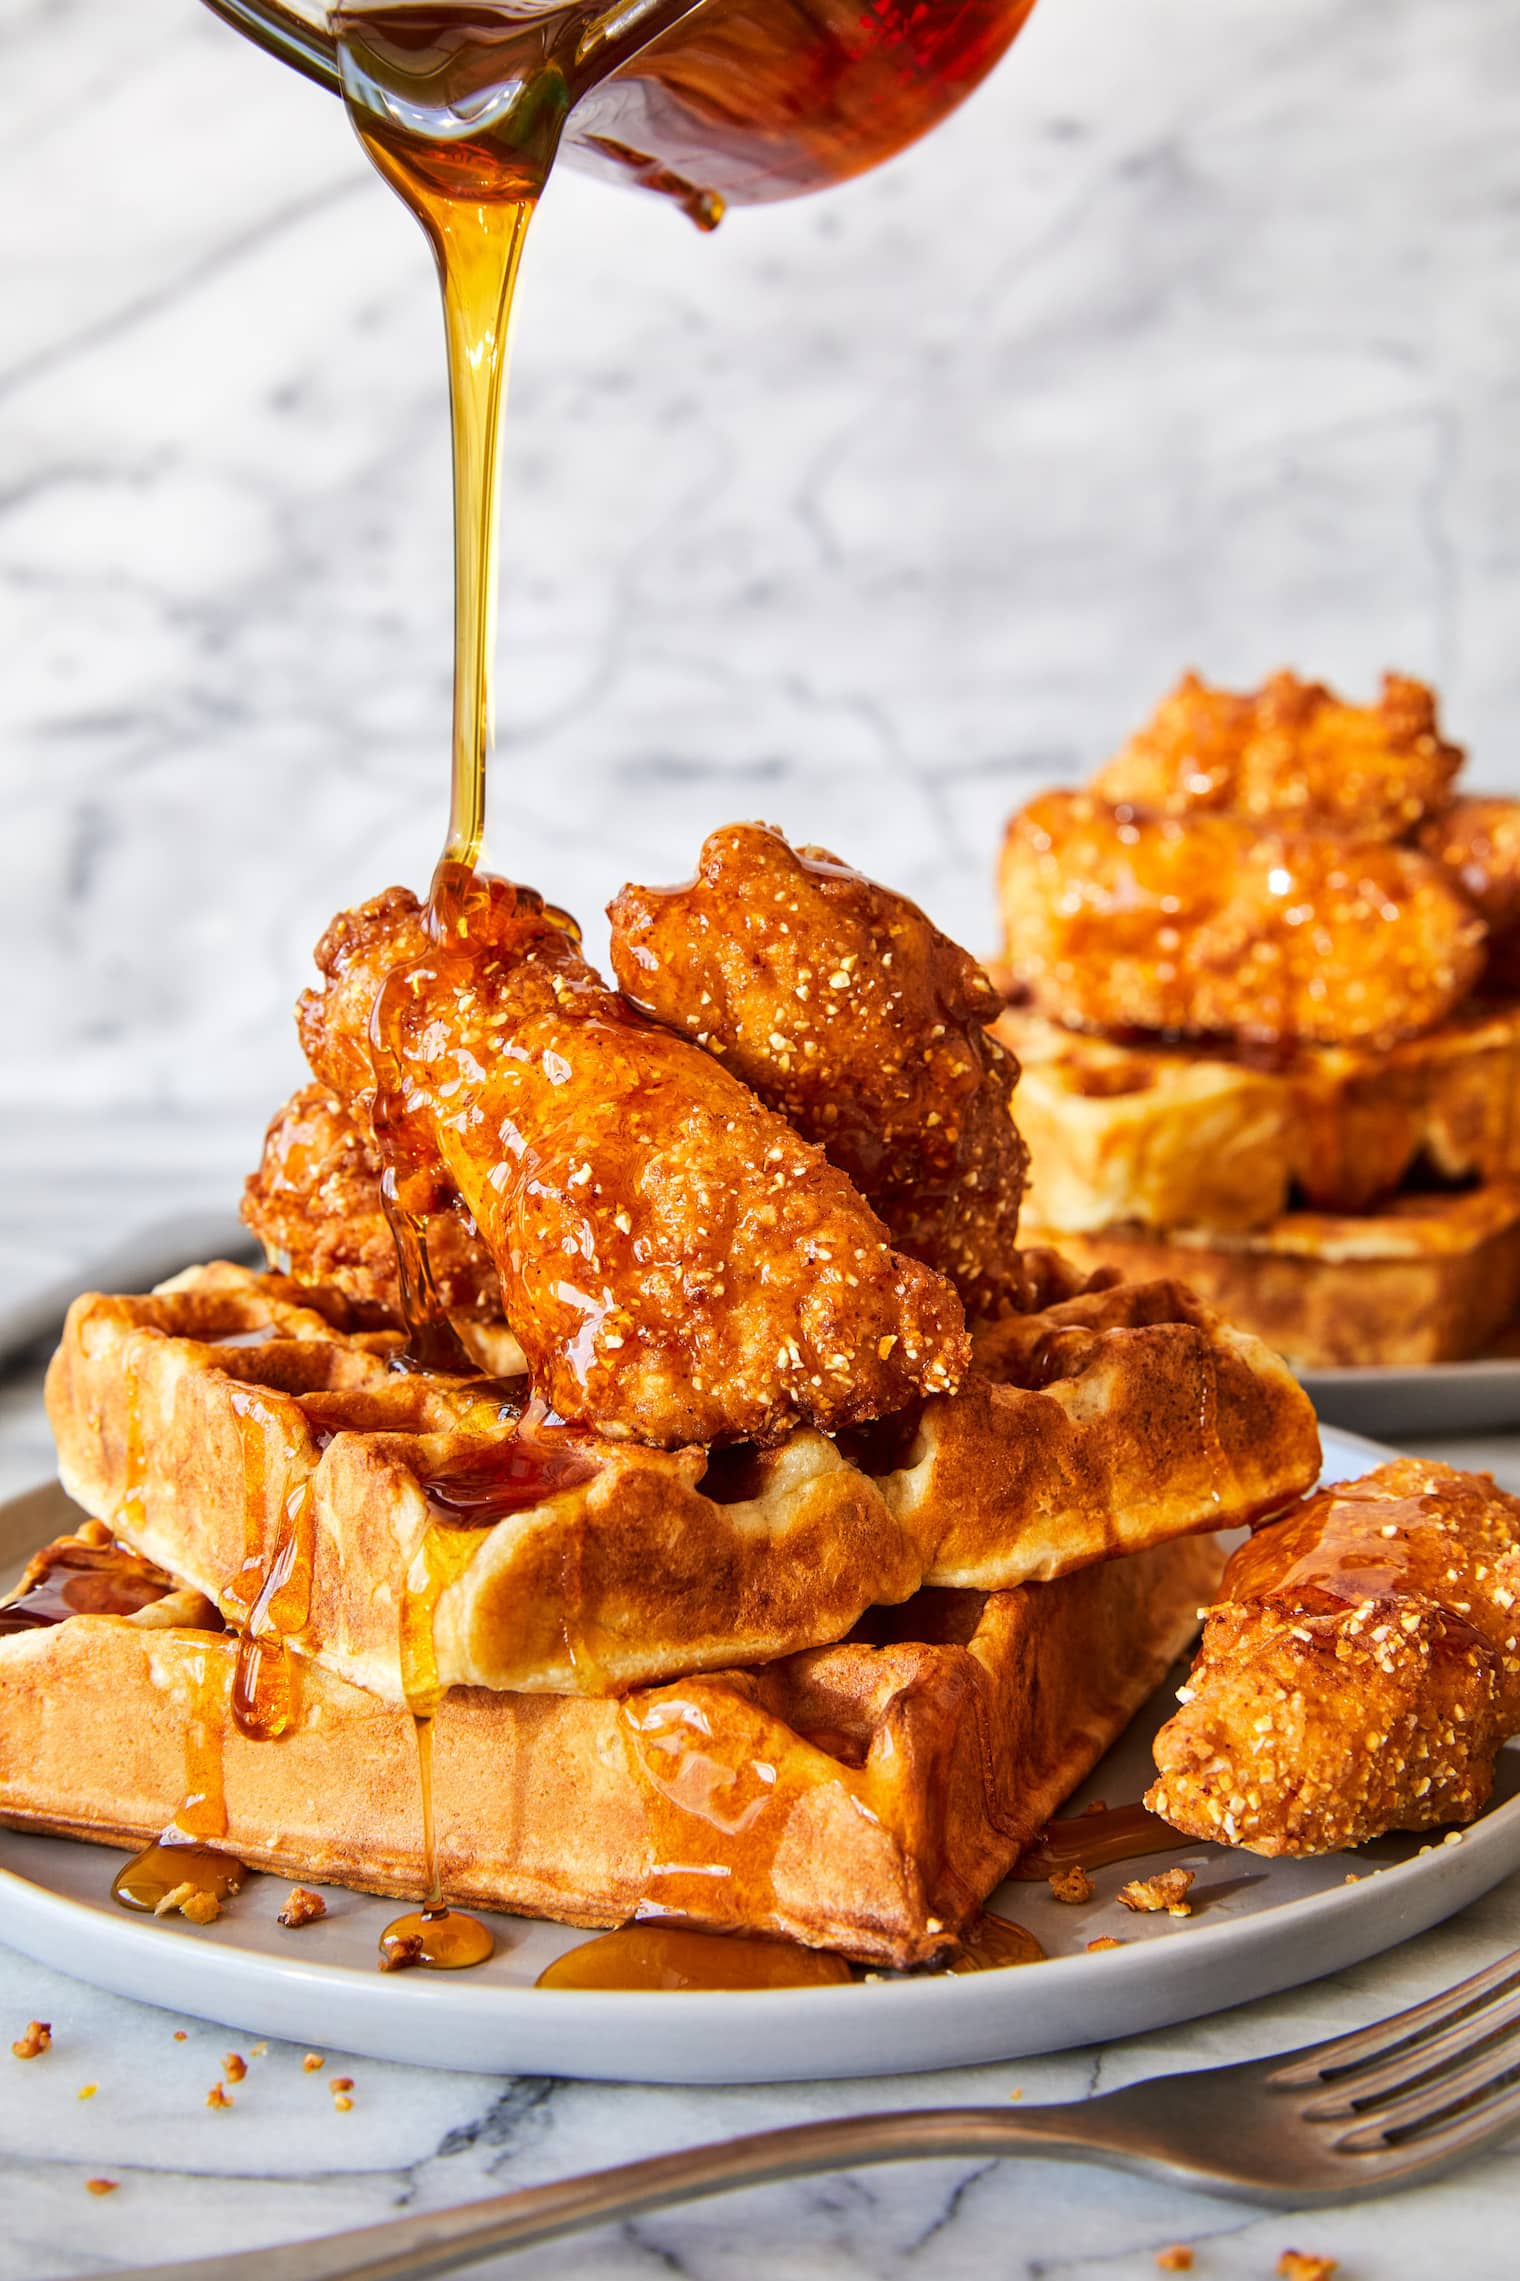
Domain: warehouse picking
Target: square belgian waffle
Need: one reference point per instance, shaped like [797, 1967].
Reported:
[401, 1531]
[1172, 1136]
[865, 1797]
[1425, 1279]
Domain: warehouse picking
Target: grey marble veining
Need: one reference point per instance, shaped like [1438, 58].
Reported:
[1194, 338]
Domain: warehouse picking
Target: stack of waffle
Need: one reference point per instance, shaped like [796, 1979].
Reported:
[813, 1690]
[1303, 1099]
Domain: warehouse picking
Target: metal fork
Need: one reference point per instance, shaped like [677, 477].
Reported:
[1393, 2104]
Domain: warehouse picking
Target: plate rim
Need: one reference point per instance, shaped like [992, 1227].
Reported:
[1480, 1369]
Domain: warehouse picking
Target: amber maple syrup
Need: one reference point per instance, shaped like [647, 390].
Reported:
[187, 1852]
[435, 1936]
[129, 1511]
[1095, 1839]
[992, 1943]
[681, 1956]
[262, 1682]
[83, 1578]
[658, 1956]
[462, 108]
[159, 1870]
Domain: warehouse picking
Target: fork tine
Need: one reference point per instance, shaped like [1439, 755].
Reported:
[1490, 2073]
[1481, 2123]
[1352, 2090]
[1384, 2037]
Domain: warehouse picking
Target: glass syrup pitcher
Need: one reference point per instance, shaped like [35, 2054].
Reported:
[709, 102]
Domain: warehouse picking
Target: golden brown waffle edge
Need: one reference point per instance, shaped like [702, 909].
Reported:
[1171, 1137]
[1429, 1279]
[1108, 1423]
[865, 1798]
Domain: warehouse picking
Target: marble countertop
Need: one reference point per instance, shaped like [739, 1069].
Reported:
[1193, 339]
[282, 2162]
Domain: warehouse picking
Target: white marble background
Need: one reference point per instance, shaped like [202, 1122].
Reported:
[1196, 337]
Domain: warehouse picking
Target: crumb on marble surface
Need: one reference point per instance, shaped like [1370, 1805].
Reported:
[87, 2090]
[35, 2038]
[234, 2067]
[1299, 2265]
[101, 2185]
[313, 2061]
[219, 2096]
[179, 2035]
[1176, 2258]
[1167, 1890]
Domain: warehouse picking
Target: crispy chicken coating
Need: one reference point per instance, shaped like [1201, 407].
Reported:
[1290, 753]
[846, 1009]
[1360, 1672]
[1477, 840]
[314, 1204]
[677, 1264]
[1210, 926]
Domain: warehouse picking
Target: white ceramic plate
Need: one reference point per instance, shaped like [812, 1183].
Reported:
[1441, 1398]
[1257, 1926]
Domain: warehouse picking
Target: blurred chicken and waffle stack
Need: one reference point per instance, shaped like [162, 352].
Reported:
[1264, 982]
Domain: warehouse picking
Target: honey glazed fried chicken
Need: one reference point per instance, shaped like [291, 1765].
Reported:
[1360, 1671]
[677, 1264]
[844, 1008]
[1291, 753]
[1477, 841]
[1209, 926]
[314, 1203]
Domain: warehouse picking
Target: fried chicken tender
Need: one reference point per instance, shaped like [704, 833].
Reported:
[676, 1263]
[1360, 1672]
[847, 1010]
[1210, 926]
[1290, 753]
[314, 1204]
[1477, 840]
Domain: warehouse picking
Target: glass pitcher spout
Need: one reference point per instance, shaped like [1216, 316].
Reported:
[707, 102]
[302, 41]
[302, 38]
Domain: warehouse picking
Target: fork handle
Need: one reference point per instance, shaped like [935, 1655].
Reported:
[439, 2241]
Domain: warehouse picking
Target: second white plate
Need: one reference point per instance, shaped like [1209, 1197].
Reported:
[1439, 1398]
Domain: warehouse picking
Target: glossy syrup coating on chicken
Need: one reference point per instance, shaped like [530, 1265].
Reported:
[1360, 1672]
[676, 1263]
[314, 1204]
[847, 1010]
[1210, 926]
[1292, 753]
[1477, 840]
